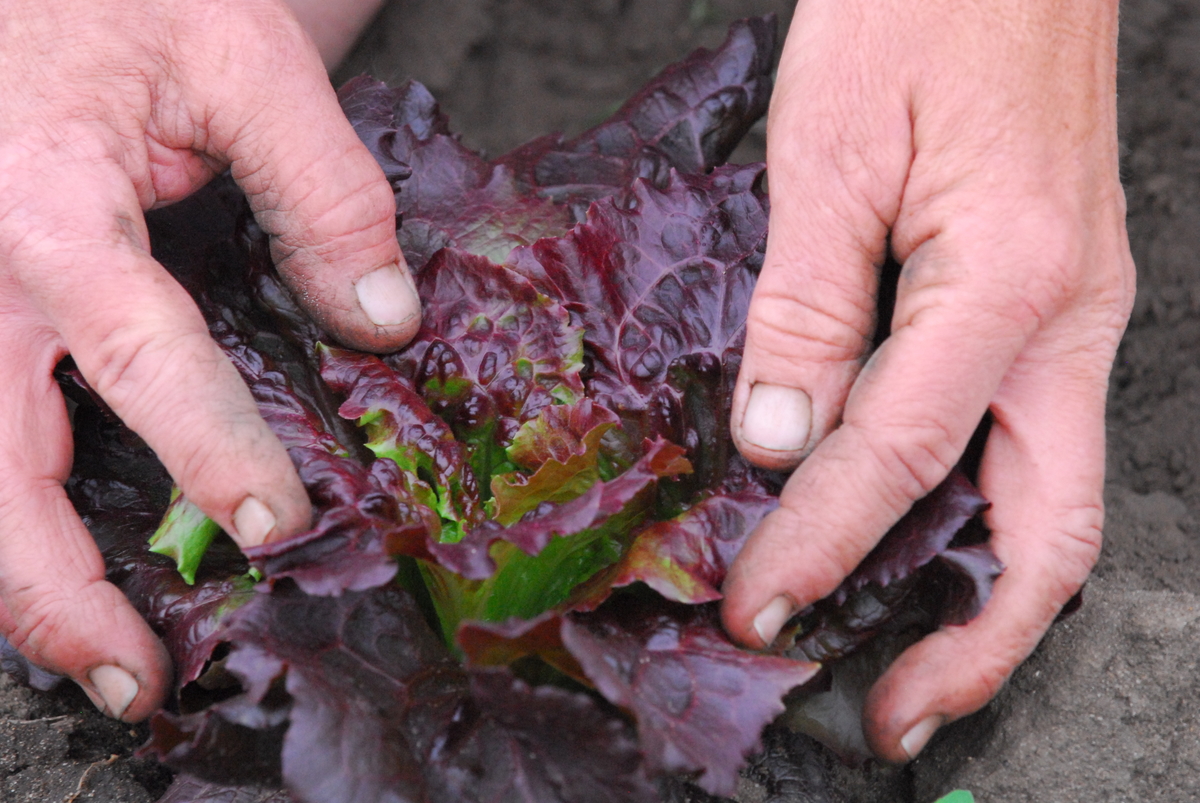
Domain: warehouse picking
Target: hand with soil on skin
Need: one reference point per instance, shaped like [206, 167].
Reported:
[978, 142]
[113, 108]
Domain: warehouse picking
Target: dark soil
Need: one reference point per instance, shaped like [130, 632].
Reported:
[1108, 709]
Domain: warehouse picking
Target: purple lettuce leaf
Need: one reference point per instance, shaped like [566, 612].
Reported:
[693, 408]
[377, 112]
[655, 274]
[293, 417]
[238, 739]
[684, 559]
[660, 279]
[491, 354]
[402, 428]
[190, 620]
[562, 448]
[559, 433]
[921, 535]
[689, 117]
[377, 710]
[505, 643]
[832, 631]
[550, 745]
[975, 568]
[451, 196]
[366, 517]
[700, 701]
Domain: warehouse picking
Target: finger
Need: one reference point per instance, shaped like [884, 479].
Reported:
[55, 605]
[1043, 469]
[143, 346]
[836, 173]
[906, 422]
[314, 187]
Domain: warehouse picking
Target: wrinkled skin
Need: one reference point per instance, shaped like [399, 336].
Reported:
[112, 108]
[981, 139]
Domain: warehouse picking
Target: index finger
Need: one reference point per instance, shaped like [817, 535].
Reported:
[314, 187]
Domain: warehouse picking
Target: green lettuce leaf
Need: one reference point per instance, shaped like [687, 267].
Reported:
[562, 446]
[402, 428]
[184, 535]
[542, 558]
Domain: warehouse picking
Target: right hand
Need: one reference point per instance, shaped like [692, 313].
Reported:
[113, 107]
[977, 142]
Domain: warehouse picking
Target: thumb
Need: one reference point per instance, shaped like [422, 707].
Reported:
[314, 187]
[836, 177]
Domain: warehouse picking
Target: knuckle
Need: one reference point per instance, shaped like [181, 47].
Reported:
[42, 622]
[986, 678]
[1076, 540]
[1055, 262]
[1046, 258]
[1041, 269]
[133, 364]
[827, 142]
[791, 557]
[913, 458]
[834, 559]
[119, 364]
[203, 460]
[833, 329]
[336, 225]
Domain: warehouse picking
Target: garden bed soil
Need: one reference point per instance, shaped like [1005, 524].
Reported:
[1108, 709]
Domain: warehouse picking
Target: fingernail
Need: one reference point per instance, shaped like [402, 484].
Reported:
[919, 735]
[253, 521]
[777, 418]
[771, 619]
[388, 296]
[116, 689]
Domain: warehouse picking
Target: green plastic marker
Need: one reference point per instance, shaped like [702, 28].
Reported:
[958, 796]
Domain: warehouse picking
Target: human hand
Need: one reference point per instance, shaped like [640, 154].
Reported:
[113, 107]
[981, 138]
